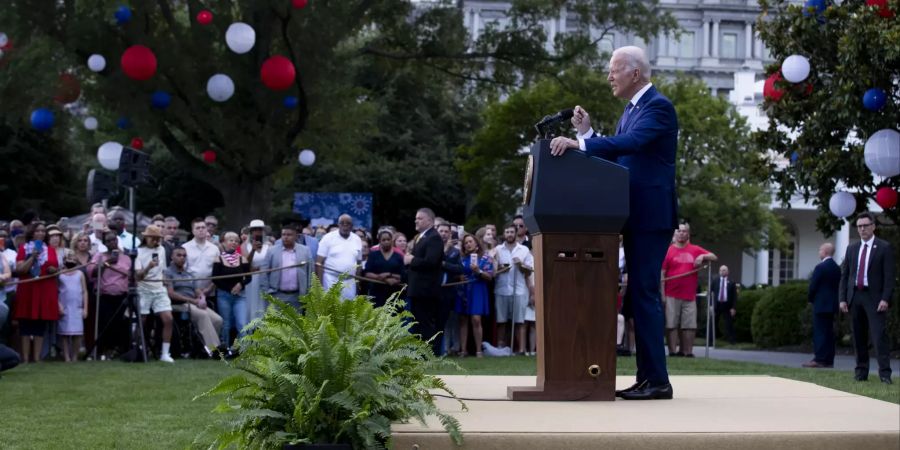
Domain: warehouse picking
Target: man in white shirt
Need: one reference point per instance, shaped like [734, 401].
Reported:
[98, 226]
[201, 254]
[340, 252]
[511, 287]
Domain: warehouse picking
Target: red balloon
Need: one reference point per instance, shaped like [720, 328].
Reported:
[298, 4]
[886, 197]
[69, 89]
[883, 9]
[204, 17]
[770, 92]
[137, 143]
[277, 73]
[209, 156]
[8, 46]
[139, 62]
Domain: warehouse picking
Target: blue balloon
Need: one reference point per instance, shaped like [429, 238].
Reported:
[874, 99]
[818, 5]
[42, 119]
[794, 157]
[291, 101]
[123, 15]
[123, 123]
[161, 100]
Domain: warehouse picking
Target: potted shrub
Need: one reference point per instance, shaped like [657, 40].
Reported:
[340, 373]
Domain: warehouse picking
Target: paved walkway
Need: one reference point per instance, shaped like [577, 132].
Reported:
[841, 362]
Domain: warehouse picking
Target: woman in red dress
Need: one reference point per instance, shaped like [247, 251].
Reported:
[37, 303]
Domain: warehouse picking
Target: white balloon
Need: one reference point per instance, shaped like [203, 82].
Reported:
[795, 68]
[109, 154]
[307, 157]
[883, 153]
[842, 204]
[96, 62]
[91, 123]
[4, 39]
[220, 87]
[240, 37]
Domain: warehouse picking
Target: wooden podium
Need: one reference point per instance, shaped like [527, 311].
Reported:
[575, 207]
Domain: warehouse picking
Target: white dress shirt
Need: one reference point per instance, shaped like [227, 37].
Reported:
[870, 243]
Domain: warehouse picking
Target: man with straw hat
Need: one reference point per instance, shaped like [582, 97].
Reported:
[153, 294]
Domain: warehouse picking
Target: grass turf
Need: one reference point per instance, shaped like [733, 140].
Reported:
[100, 405]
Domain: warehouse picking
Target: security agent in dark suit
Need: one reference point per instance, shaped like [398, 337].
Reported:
[424, 277]
[867, 284]
[724, 301]
[823, 294]
[645, 143]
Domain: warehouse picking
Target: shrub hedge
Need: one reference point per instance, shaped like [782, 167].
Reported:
[776, 319]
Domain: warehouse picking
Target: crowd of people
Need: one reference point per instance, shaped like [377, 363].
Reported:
[66, 291]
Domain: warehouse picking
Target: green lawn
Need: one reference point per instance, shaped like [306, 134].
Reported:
[97, 405]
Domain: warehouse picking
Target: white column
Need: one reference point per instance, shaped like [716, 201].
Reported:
[476, 24]
[757, 52]
[762, 267]
[705, 39]
[841, 241]
[715, 39]
[663, 44]
[748, 40]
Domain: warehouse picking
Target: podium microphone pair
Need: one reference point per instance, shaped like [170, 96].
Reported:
[548, 121]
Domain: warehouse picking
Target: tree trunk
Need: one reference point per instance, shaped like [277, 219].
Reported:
[245, 199]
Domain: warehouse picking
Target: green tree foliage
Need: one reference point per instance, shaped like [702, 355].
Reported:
[718, 176]
[850, 49]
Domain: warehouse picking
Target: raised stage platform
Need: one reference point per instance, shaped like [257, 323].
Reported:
[716, 412]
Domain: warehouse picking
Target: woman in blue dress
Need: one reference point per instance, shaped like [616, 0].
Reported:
[478, 270]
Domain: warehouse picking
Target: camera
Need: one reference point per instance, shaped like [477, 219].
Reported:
[155, 257]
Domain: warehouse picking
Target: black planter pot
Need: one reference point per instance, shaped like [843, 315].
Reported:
[317, 447]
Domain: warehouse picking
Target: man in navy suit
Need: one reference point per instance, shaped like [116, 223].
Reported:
[423, 262]
[645, 143]
[867, 284]
[823, 294]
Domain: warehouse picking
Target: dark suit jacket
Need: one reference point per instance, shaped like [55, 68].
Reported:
[646, 144]
[824, 285]
[424, 272]
[452, 266]
[880, 271]
[730, 293]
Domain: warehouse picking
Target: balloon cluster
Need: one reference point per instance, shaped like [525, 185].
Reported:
[139, 62]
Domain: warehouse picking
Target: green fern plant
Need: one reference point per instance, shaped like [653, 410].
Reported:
[341, 372]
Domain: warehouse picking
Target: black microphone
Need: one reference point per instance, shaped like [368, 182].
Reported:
[565, 114]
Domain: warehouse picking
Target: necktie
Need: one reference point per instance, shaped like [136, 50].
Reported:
[722, 290]
[624, 120]
[861, 273]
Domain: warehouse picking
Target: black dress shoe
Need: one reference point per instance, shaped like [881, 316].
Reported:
[633, 388]
[855, 377]
[648, 392]
[885, 380]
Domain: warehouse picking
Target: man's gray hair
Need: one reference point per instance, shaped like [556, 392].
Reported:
[635, 58]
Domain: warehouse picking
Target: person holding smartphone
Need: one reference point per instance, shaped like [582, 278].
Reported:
[110, 269]
[37, 302]
[153, 294]
[256, 248]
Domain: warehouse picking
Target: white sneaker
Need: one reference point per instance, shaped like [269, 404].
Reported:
[166, 358]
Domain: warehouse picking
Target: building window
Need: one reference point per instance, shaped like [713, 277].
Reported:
[783, 263]
[728, 47]
[685, 45]
[606, 45]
